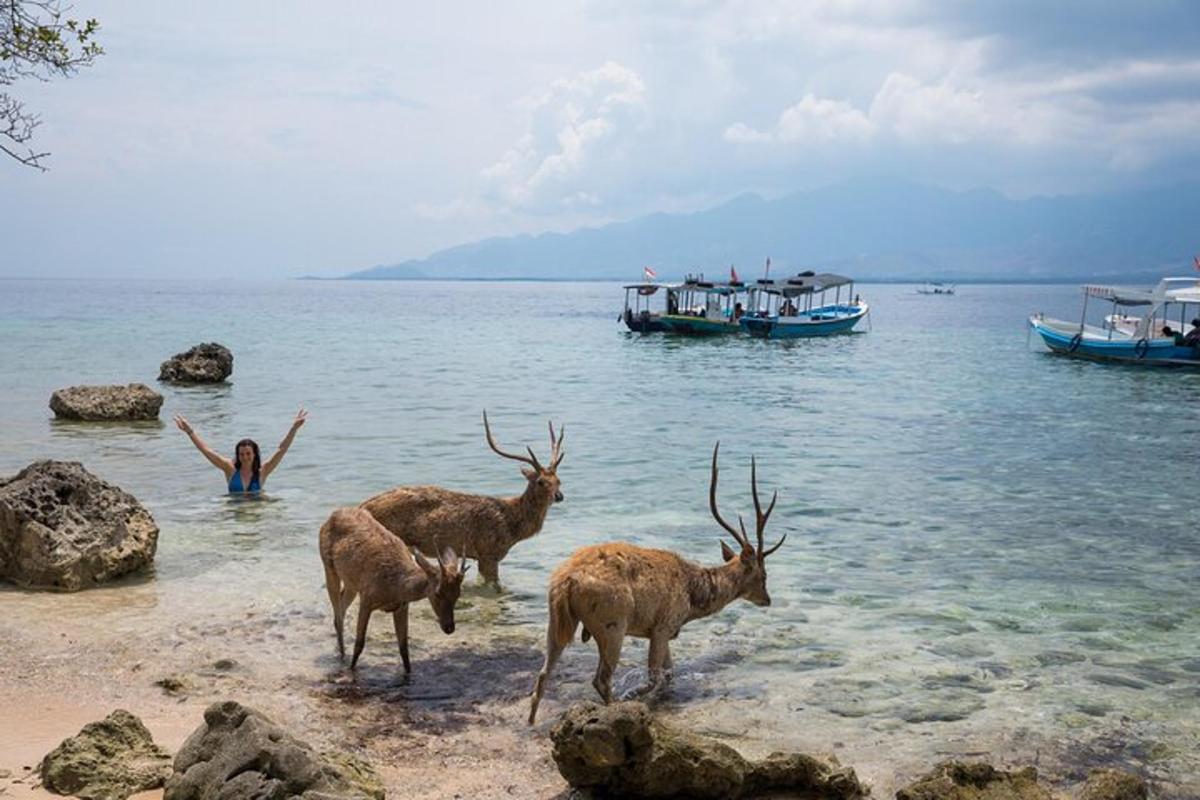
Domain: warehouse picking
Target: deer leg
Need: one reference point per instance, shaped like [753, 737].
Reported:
[400, 619]
[345, 598]
[489, 571]
[660, 657]
[360, 635]
[609, 644]
[333, 585]
[553, 650]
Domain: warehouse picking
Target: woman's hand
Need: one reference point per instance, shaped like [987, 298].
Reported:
[183, 424]
[301, 416]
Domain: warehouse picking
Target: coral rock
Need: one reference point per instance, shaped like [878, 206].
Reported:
[204, 363]
[106, 403]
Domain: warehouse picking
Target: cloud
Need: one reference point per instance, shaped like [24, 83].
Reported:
[813, 119]
[578, 130]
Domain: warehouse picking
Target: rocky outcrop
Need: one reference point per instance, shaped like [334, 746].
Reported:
[63, 528]
[238, 754]
[1113, 784]
[620, 750]
[957, 780]
[204, 363]
[102, 403]
[107, 760]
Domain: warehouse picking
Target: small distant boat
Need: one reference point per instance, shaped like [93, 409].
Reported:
[1150, 339]
[639, 316]
[796, 307]
[936, 288]
[698, 307]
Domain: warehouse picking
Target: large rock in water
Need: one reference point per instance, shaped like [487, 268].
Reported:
[107, 760]
[238, 754]
[957, 780]
[1113, 784]
[620, 750]
[204, 363]
[63, 528]
[98, 403]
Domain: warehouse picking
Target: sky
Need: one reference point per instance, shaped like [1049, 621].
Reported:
[268, 139]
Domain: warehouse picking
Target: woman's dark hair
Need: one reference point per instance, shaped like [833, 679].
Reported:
[257, 458]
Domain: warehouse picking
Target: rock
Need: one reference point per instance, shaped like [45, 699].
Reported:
[63, 528]
[173, 684]
[1113, 784]
[107, 760]
[224, 664]
[620, 750]
[99, 403]
[239, 754]
[958, 780]
[204, 363]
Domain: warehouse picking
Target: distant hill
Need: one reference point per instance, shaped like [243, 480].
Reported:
[871, 230]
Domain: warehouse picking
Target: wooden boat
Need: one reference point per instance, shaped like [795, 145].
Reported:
[936, 288]
[704, 308]
[1150, 339]
[797, 307]
[638, 316]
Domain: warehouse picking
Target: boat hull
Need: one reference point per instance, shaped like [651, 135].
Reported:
[1061, 339]
[697, 326]
[824, 321]
[643, 323]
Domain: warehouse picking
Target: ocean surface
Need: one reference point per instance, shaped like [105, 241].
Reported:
[990, 548]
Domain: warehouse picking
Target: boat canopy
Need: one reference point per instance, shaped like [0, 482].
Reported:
[648, 288]
[1169, 290]
[711, 287]
[1122, 297]
[804, 284]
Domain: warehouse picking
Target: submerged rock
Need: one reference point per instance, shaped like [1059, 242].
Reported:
[1113, 784]
[204, 363]
[239, 754]
[107, 760]
[103, 403]
[63, 528]
[620, 750]
[958, 780]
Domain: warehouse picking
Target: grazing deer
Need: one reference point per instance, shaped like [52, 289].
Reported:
[481, 527]
[618, 590]
[362, 558]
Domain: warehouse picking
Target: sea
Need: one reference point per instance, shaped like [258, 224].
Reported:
[991, 550]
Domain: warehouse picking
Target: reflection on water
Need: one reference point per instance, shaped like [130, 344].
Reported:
[983, 547]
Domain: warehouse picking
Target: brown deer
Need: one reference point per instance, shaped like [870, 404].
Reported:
[362, 558]
[480, 527]
[618, 590]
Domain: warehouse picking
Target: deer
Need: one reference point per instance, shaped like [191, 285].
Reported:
[363, 559]
[481, 527]
[619, 589]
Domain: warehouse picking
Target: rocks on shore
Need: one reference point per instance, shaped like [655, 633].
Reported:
[239, 754]
[104, 403]
[957, 780]
[107, 760]
[62, 528]
[620, 750]
[1113, 784]
[204, 363]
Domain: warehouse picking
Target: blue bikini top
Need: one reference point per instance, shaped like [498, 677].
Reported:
[235, 483]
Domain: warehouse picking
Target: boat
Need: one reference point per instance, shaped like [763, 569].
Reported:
[638, 316]
[703, 308]
[1152, 338]
[936, 288]
[796, 307]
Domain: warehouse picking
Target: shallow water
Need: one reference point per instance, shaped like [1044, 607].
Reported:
[989, 548]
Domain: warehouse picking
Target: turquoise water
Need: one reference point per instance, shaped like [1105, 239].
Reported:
[988, 547]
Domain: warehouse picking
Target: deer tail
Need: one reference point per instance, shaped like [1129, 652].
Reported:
[562, 621]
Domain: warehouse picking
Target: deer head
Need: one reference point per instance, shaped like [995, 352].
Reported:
[543, 481]
[751, 560]
[443, 584]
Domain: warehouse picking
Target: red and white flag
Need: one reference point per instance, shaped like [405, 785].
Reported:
[649, 274]
[733, 278]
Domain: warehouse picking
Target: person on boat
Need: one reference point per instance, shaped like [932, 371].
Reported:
[787, 309]
[246, 473]
[1170, 333]
[738, 311]
[1192, 337]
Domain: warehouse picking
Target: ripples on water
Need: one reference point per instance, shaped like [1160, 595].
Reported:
[981, 536]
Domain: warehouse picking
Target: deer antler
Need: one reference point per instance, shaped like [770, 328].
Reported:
[556, 454]
[761, 518]
[740, 538]
[531, 460]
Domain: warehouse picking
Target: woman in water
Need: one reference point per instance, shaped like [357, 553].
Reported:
[246, 473]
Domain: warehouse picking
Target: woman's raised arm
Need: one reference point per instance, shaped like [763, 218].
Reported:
[273, 462]
[218, 461]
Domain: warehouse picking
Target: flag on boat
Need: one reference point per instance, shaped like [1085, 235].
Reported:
[733, 278]
[1196, 260]
[649, 274]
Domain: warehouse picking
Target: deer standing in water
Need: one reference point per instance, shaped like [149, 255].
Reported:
[362, 558]
[480, 527]
[618, 590]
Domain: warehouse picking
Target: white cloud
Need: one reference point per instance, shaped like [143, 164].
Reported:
[813, 119]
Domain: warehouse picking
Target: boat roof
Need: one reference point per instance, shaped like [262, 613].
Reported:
[804, 283]
[654, 287]
[712, 287]
[1169, 290]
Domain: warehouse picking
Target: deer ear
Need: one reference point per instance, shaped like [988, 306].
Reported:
[448, 557]
[430, 570]
[528, 473]
[727, 552]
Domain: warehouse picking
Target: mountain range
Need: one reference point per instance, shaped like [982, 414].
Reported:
[876, 230]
